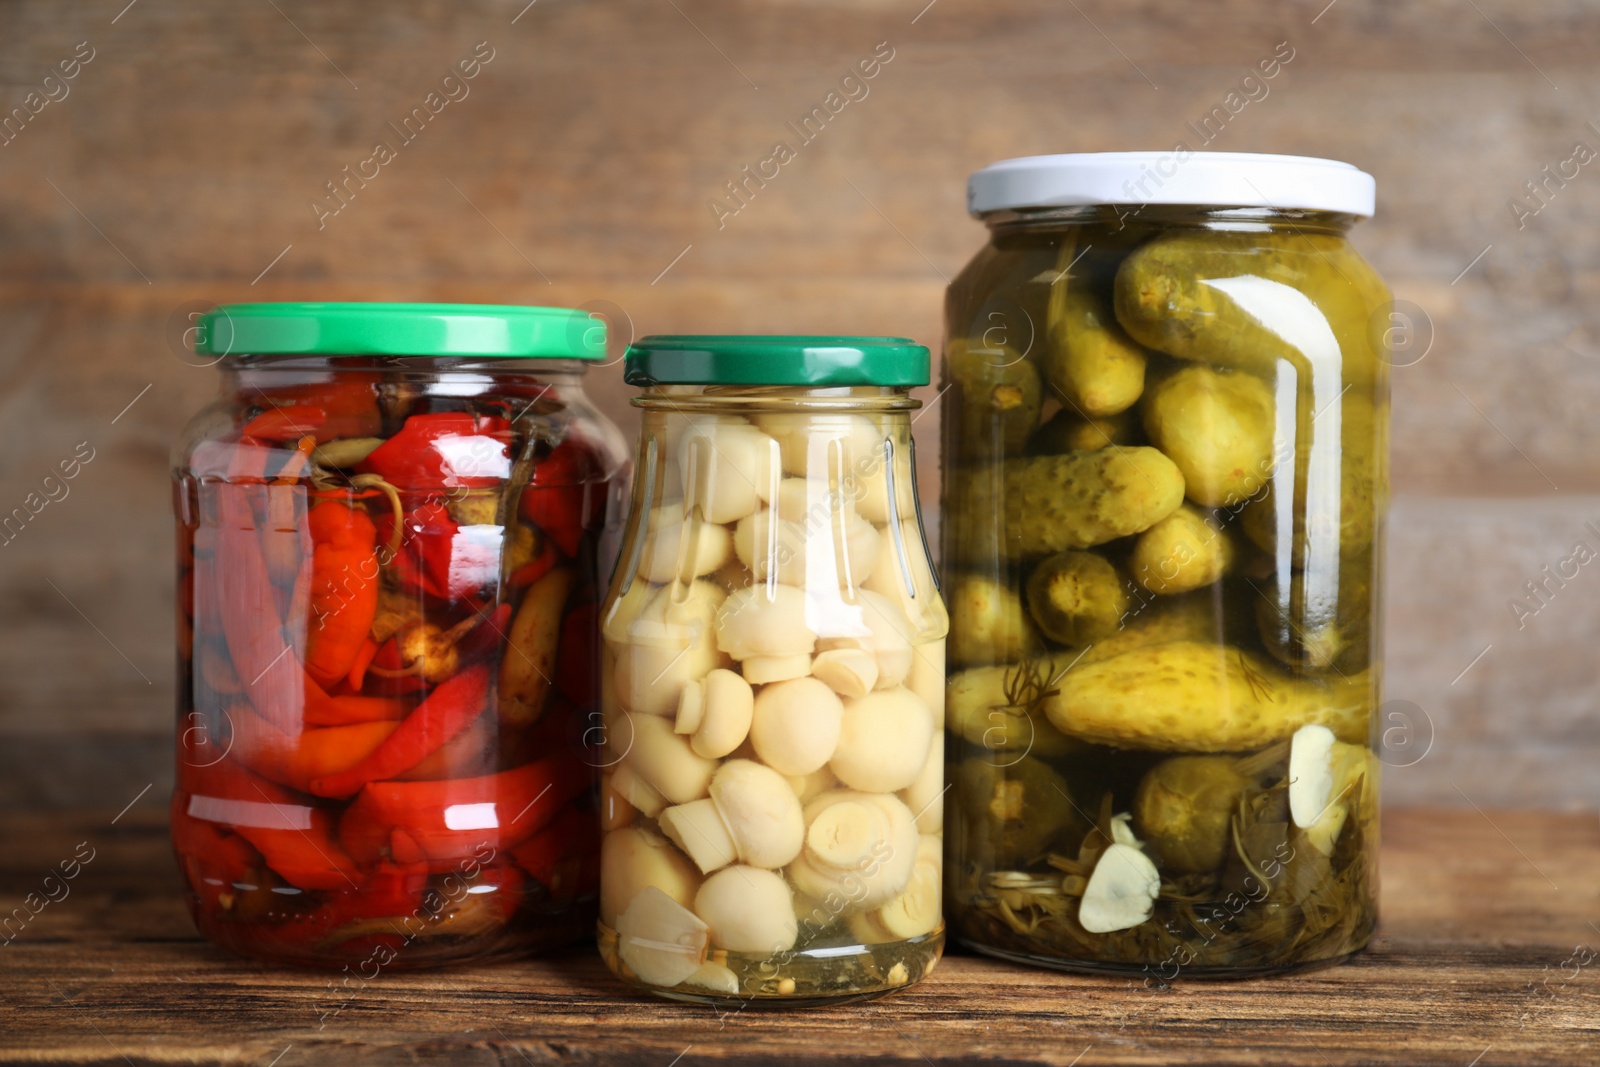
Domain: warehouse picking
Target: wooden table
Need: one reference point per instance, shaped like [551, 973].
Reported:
[1487, 955]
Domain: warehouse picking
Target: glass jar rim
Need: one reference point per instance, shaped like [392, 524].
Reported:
[775, 360]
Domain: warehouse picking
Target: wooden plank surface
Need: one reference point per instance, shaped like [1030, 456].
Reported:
[1487, 954]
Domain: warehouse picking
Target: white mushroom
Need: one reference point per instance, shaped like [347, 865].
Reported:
[765, 629]
[716, 712]
[635, 791]
[860, 850]
[660, 940]
[927, 678]
[748, 909]
[828, 548]
[916, 911]
[672, 641]
[875, 623]
[1310, 773]
[883, 741]
[665, 761]
[820, 444]
[816, 783]
[925, 796]
[752, 816]
[615, 810]
[1121, 892]
[728, 469]
[633, 858]
[761, 812]
[679, 549]
[796, 725]
[850, 672]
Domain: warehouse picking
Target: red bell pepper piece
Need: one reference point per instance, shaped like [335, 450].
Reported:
[301, 760]
[445, 449]
[566, 494]
[445, 712]
[564, 857]
[344, 588]
[446, 822]
[213, 859]
[295, 839]
[347, 407]
[441, 557]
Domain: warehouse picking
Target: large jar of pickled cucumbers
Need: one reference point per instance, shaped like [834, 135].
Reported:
[773, 675]
[1164, 486]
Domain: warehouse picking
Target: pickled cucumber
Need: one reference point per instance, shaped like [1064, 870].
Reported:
[1217, 427]
[996, 708]
[1306, 629]
[987, 623]
[1017, 809]
[997, 395]
[1194, 696]
[1049, 503]
[1183, 552]
[1094, 365]
[1183, 809]
[1067, 431]
[1248, 300]
[1076, 598]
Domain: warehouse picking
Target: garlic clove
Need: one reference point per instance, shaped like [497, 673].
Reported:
[1121, 892]
[699, 830]
[660, 940]
[715, 978]
[1310, 773]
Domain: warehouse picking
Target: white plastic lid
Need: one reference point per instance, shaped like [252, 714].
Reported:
[1212, 179]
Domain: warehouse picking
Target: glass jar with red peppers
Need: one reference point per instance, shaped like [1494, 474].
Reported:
[392, 530]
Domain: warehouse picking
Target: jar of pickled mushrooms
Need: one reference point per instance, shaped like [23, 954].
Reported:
[773, 679]
[1165, 472]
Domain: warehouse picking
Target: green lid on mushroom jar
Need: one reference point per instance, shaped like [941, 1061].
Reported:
[758, 359]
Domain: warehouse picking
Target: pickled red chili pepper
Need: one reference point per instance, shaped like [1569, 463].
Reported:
[444, 713]
[446, 449]
[350, 570]
[344, 593]
[561, 497]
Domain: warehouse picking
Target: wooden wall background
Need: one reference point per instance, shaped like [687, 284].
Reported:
[179, 171]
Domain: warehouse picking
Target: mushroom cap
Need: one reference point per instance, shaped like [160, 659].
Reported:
[825, 549]
[764, 621]
[633, 858]
[703, 546]
[716, 711]
[669, 643]
[875, 623]
[761, 812]
[850, 672]
[727, 468]
[796, 725]
[925, 796]
[664, 760]
[748, 909]
[864, 852]
[884, 741]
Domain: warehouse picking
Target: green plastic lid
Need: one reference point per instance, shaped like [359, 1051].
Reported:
[735, 359]
[365, 329]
